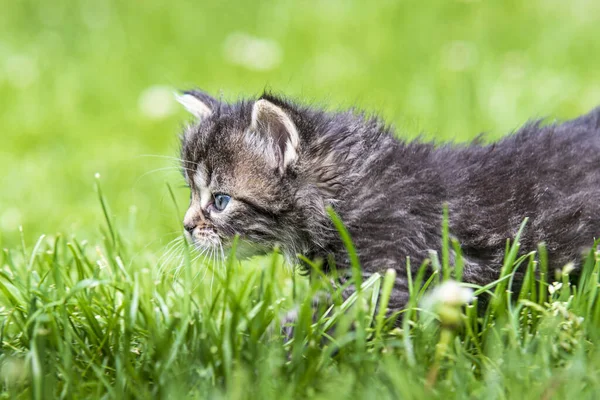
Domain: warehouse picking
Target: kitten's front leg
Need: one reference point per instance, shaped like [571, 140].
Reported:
[399, 298]
[320, 301]
[334, 293]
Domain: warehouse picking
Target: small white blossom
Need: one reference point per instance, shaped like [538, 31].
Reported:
[449, 293]
[446, 301]
[555, 287]
[567, 269]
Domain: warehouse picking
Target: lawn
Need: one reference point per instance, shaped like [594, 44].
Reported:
[98, 298]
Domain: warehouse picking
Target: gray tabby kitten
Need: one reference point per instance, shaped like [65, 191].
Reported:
[266, 169]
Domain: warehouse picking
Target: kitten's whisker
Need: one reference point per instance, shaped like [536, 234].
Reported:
[204, 275]
[212, 279]
[172, 248]
[173, 244]
[178, 169]
[163, 169]
[182, 258]
[150, 243]
[201, 253]
[202, 263]
[222, 264]
[179, 268]
[197, 257]
[168, 157]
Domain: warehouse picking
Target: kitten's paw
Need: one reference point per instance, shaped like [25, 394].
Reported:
[288, 323]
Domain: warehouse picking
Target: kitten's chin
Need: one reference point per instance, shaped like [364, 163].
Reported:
[246, 249]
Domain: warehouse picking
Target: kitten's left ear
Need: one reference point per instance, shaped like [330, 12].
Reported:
[199, 104]
[273, 123]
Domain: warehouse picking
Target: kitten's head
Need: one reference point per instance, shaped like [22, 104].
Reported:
[240, 163]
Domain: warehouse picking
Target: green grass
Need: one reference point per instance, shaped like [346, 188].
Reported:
[80, 321]
[111, 309]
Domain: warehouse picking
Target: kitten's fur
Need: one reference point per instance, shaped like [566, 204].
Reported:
[283, 163]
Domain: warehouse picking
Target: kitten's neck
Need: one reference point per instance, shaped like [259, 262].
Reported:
[356, 166]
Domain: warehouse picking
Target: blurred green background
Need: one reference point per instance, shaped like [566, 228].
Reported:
[86, 86]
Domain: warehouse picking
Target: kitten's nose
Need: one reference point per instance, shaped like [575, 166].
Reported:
[190, 220]
[189, 227]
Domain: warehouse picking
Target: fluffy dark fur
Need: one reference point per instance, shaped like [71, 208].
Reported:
[389, 193]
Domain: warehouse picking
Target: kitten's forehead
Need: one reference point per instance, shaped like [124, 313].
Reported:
[222, 160]
[200, 176]
[202, 185]
[211, 138]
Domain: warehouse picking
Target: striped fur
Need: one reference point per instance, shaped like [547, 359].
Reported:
[390, 193]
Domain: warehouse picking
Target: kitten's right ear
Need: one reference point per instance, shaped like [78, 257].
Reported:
[274, 125]
[199, 104]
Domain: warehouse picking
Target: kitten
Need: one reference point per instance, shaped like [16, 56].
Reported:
[266, 170]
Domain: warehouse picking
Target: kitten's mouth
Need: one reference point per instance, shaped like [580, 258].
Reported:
[204, 238]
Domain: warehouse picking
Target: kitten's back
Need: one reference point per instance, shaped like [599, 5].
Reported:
[547, 173]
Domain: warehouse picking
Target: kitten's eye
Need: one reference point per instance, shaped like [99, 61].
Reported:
[221, 201]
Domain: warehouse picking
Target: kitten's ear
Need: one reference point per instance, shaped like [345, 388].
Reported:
[199, 104]
[273, 123]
